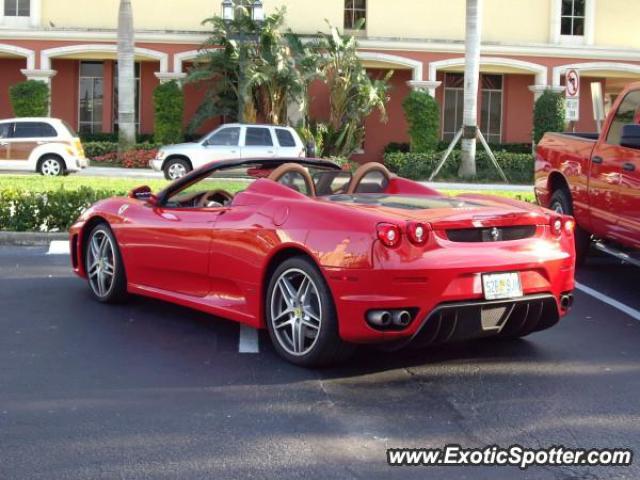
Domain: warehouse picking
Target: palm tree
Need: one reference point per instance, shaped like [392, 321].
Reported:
[471, 75]
[126, 77]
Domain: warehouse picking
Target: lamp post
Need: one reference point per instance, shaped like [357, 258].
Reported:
[228, 15]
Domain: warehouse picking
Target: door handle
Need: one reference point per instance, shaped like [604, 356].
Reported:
[597, 160]
[629, 167]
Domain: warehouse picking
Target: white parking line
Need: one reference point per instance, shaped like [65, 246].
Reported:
[633, 313]
[58, 247]
[248, 340]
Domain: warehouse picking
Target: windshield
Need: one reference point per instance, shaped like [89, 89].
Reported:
[404, 202]
[219, 187]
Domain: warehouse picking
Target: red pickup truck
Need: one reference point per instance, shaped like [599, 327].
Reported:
[596, 178]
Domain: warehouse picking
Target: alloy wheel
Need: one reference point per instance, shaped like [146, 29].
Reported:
[296, 312]
[101, 263]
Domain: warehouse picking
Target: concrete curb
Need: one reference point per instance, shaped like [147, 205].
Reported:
[30, 238]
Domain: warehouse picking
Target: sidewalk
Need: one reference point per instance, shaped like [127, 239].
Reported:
[115, 172]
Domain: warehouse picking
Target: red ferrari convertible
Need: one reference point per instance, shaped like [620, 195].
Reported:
[326, 260]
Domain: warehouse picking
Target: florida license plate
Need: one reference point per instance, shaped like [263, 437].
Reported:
[497, 286]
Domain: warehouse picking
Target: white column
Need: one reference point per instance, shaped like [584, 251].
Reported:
[428, 85]
[165, 77]
[40, 75]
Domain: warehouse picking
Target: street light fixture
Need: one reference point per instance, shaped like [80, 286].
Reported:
[228, 10]
[257, 11]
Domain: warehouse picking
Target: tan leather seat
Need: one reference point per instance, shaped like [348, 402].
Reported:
[292, 170]
[365, 170]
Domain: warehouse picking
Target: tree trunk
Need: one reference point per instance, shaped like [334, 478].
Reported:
[126, 78]
[471, 77]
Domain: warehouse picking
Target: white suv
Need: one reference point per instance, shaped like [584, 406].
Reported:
[229, 141]
[45, 145]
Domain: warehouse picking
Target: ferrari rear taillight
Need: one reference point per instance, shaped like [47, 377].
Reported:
[389, 234]
[417, 232]
[561, 224]
[569, 224]
[556, 225]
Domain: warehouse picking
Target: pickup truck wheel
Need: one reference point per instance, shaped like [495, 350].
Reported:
[176, 168]
[561, 203]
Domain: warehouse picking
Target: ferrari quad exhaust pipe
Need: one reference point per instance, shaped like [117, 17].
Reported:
[401, 318]
[379, 318]
[566, 301]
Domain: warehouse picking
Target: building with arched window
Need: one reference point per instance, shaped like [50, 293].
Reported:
[527, 47]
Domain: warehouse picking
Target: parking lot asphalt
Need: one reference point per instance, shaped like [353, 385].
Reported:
[148, 390]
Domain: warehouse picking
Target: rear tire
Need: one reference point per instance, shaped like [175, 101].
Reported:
[176, 168]
[51, 166]
[561, 203]
[301, 316]
[104, 266]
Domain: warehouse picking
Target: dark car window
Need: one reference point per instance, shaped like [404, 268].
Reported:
[330, 183]
[227, 137]
[373, 182]
[5, 130]
[295, 181]
[258, 137]
[628, 112]
[33, 130]
[285, 139]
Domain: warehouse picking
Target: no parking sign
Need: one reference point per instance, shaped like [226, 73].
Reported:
[572, 92]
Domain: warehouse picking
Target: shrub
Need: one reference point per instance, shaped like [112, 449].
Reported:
[548, 114]
[138, 158]
[495, 147]
[107, 152]
[423, 116]
[50, 211]
[30, 99]
[168, 100]
[418, 166]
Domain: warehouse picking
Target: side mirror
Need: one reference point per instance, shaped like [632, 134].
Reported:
[630, 136]
[143, 193]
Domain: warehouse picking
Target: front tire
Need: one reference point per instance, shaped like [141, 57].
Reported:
[560, 202]
[301, 316]
[51, 166]
[176, 168]
[104, 266]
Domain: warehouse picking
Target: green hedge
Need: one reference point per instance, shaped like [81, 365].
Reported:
[423, 117]
[395, 147]
[52, 211]
[92, 150]
[548, 114]
[30, 99]
[168, 102]
[418, 166]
